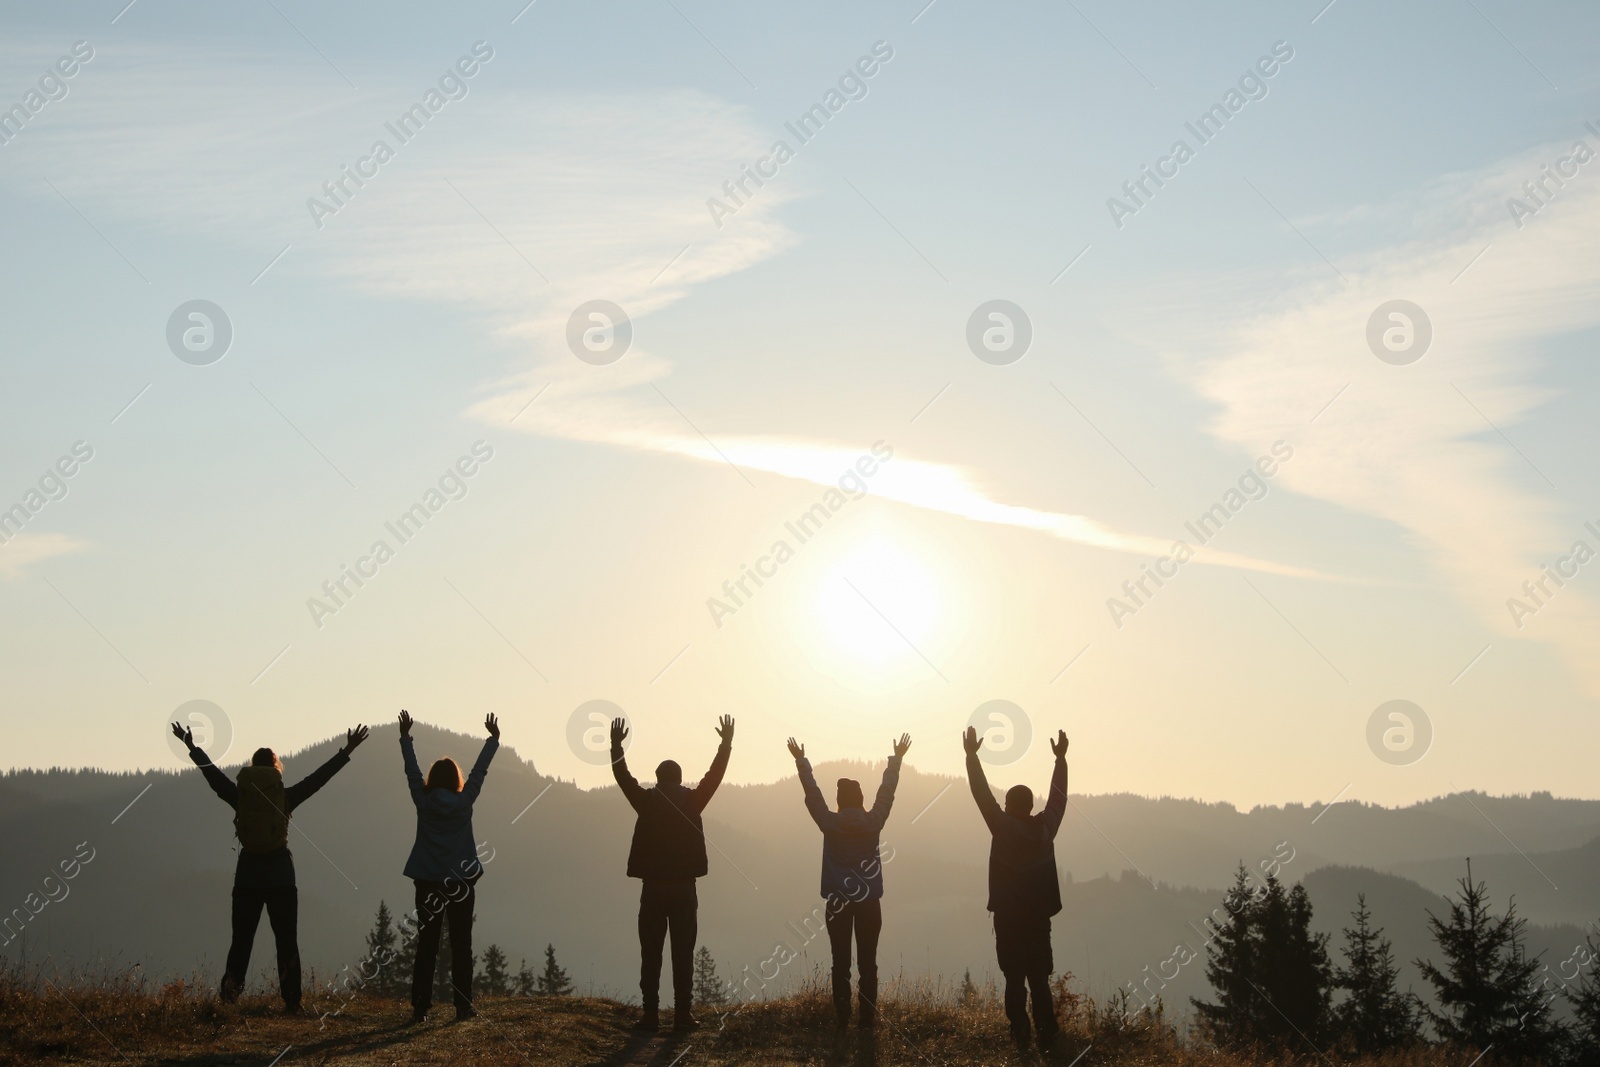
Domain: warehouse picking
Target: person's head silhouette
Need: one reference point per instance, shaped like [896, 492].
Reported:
[850, 795]
[265, 757]
[445, 774]
[669, 773]
[1019, 801]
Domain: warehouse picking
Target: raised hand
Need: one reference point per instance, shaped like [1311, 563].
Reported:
[405, 723]
[492, 724]
[184, 734]
[619, 731]
[970, 741]
[1059, 745]
[352, 738]
[797, 750]
[725, 729]
[901, 745]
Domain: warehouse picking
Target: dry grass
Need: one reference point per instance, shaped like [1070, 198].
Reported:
[922, 1024]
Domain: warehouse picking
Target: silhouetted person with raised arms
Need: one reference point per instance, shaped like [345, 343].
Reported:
[1024, 890]
[852, 876]
[668, 853]
[444, 865]
[264, 875]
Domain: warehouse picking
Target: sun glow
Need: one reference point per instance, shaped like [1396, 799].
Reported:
[878, 604]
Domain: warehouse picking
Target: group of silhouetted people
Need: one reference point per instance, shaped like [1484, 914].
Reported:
[667, 854]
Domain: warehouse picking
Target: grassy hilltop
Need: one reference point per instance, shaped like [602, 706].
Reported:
[106, 1023]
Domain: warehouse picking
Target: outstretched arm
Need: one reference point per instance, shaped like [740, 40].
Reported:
[891, 778]
[719, 765]
[220, 783]
[480, 769]
[1056, 806]
[988, 807]
[815, 803]
[408, 757]
[619, 765]
[306, 787]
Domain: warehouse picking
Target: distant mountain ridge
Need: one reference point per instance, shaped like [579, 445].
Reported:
[1139, 874]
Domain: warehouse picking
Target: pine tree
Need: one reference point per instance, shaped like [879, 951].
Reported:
[496, 982]
[1269, 971]
[1230, 963]
[378, 966]
[1486, 988]
[554, 981]
[1376, 1015]
[969, 991]
[526, 980]
[405, 958]
[1585, 1001]
[1294, 976]
[708, 989]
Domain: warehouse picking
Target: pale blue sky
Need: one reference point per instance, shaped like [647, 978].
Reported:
[822, 317]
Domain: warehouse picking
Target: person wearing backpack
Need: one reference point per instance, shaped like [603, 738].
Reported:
[444, 866]
[264, 876]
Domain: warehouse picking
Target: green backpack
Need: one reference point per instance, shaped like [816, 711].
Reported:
[261, 821]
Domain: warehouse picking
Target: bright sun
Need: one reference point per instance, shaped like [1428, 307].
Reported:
[878, 604]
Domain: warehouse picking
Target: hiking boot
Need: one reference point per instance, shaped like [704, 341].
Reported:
[419, 1016]
[293, 1009]
[463, 1014]
[650, 1020]
[231, 987]
[683, 1022]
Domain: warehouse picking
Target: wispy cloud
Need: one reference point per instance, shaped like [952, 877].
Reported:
[516, 206]
[1426, 446]
[24, 550]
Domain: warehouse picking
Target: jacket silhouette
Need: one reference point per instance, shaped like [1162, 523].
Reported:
[850, 866]
[1022, 851]
[445, 846]
[669, 838]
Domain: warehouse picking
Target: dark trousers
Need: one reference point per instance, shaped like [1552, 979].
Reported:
[864, 919]
[437, 901]
[283, 912]
[1022, 948]
[664, 905]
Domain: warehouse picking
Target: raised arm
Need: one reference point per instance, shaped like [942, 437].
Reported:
[408, 756]
[305, 788]
[220, 783]
[480, 769]
[1056, 806]
[619, 765]
[719, 765]
[891, 778]
[816, 804]
[988, 807]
